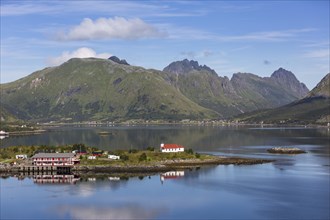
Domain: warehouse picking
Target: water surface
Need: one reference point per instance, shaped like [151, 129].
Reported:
[293, 187]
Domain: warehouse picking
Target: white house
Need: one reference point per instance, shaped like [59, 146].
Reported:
[114, 157]
[21, 156]
[171, 148]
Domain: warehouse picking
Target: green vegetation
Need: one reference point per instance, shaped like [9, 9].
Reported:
[309, 110]
[97, 89]
[130, 157]
[93, 89]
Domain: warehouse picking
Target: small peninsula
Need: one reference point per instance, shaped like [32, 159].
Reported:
[84, 159]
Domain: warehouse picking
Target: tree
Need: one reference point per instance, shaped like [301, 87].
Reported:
[124, 157]
[133, 151]
[143, 157]
[150, 148]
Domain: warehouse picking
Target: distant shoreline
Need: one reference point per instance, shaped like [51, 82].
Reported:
[45, 127]
[195, 123]
[16, 133]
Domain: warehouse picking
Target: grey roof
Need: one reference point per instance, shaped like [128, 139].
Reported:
[55, 155]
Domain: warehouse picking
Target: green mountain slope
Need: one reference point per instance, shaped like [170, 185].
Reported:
[6, 116]
[106, 90]
[243, 93]
[98, 89]
[314, 108]
[322, 88]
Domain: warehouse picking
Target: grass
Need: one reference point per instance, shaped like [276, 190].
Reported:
[89, 89]
[127, 157]
[142, 157]
[307, 110]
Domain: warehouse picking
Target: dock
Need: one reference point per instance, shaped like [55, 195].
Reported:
[41, 169]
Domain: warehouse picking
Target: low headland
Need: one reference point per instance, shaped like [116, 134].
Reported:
[94, 160]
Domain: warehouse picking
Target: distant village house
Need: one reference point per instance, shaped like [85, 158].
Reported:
[114, 157]
[91, 157]
[21, 156]
[79, 152]
[97, 153]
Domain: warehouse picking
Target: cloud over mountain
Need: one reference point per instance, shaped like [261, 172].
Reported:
[111, 28]
[83, 52]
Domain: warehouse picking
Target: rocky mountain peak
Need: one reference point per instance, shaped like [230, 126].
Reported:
[289, 81]
[284, 74]
[117, 60]
[185, 66]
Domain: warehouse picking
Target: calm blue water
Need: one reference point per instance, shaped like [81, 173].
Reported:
[293, 187]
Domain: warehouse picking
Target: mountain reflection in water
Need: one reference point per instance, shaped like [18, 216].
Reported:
[292, 187]
[124, 211]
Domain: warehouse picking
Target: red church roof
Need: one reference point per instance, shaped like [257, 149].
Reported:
[171, 146]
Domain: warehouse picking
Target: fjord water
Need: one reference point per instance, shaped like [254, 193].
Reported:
[292, 187]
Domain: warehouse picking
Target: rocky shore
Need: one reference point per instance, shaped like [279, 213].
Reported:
[164, 166]
[170, 165]
[286, 150]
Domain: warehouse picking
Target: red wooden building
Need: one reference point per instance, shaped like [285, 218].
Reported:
[55, 159]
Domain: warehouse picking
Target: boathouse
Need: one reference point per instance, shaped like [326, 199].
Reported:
[171, 148]
[55, 159]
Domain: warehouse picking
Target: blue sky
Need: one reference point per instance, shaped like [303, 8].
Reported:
[229, 36]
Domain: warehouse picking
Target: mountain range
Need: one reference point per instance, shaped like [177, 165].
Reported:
[313, 108]
[244, 92]
[85, 89]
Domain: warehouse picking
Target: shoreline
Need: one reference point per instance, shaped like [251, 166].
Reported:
[16, 133]
[164, 166]
[190, 123]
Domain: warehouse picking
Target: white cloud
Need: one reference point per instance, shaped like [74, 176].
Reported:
[320, 53]
[83, 52]
[124, 8]
[23, 9]
[111, 28]
[282, 35]
[263, 36]
[197, 55]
